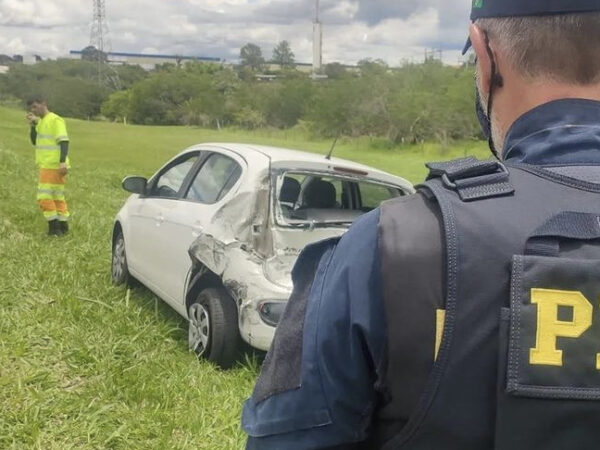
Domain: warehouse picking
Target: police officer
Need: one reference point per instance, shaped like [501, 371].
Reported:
[466, 316]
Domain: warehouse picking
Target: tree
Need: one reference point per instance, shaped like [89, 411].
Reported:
[335, 71]
[116, 107]
[370, 67]
[251, 56]
[91, 53]
[283, 55]
[286, 102]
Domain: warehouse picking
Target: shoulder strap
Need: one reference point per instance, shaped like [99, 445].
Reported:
[568, 225]
[473, 179]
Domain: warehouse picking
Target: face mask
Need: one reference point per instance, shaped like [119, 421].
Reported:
[484, 120]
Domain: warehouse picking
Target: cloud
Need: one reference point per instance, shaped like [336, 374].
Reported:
[375, 11]
[352, 29]
[42, 13]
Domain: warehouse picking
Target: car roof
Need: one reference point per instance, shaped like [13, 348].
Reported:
[282, 157]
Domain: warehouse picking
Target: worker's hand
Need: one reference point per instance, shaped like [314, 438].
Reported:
[32, 118]
[63, 169]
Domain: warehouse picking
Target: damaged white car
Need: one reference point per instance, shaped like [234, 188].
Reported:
[216, 231]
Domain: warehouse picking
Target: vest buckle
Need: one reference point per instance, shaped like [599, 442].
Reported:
[473, 179]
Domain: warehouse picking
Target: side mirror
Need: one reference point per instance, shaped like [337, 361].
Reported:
[135, 185]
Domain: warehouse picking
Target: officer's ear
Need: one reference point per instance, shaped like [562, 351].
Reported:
[484, 63]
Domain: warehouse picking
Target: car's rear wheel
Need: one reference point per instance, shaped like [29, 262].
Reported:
[119, 268]
[213, 332]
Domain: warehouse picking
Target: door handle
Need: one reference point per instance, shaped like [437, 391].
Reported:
[159, 220]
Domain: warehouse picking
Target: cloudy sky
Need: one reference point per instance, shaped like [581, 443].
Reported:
[392, 30]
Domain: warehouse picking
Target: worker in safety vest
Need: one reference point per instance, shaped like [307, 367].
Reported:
[466, 316]
[49, 135]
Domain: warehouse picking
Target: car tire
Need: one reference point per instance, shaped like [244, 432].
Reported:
[213, 327]
[119, 268]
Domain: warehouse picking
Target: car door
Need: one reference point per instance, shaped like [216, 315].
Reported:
[147, 237]
[186, 219]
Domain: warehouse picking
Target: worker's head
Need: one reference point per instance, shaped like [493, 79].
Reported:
[530, 52]
[37, 105]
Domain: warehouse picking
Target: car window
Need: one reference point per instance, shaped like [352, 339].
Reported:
[170, 182]
[305, 197]
[214, 180]
[373, 195]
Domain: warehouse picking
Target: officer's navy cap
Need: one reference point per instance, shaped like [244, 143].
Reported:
[519, 8]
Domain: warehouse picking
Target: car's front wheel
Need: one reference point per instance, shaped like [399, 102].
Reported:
[119, 269]
[213, 327]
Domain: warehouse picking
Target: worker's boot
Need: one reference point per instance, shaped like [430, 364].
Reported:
[53, 228]
[63, 227]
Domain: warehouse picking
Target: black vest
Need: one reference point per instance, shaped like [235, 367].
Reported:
[519, 363]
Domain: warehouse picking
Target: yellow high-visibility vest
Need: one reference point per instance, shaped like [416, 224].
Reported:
[51, 131]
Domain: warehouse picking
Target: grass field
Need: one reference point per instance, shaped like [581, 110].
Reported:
[85, 365]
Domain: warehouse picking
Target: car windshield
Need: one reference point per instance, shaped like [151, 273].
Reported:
[325, 199]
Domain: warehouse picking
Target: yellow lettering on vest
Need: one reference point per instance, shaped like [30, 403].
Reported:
[549, 328]
[440, 320]
[598, 356]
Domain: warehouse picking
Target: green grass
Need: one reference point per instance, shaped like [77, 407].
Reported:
[85, 365]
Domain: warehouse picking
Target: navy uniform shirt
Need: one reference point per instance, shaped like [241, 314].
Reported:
[339, 363]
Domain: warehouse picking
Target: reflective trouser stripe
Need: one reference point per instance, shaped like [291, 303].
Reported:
[51, 195]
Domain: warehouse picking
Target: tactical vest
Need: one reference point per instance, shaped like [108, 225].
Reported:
[519, 362]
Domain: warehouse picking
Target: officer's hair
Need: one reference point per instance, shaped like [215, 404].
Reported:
[562, 48]
[36, 99]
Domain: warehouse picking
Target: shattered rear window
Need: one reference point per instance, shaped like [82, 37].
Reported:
[316, 198]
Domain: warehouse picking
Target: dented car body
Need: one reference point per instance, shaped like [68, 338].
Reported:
[233, 224]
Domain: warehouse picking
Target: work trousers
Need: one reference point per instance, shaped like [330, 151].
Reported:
[51, 195]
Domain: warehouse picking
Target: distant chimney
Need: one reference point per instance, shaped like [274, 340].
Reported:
[317, 41]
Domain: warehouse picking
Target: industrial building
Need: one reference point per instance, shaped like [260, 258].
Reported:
[148, 61]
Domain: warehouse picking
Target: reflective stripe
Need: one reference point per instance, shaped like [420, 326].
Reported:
[56, 192]
[52, 187]
[58, 196]
[51, 130]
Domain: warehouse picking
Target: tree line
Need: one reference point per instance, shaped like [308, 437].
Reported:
[412, 103]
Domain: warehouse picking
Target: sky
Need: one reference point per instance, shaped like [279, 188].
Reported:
[392, 30]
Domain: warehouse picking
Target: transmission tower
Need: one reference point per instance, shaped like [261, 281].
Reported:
[434, 55]
[99, 38]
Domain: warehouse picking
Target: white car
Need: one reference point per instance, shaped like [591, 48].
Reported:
[216, 231]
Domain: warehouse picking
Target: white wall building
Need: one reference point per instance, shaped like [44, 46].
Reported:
[148, 61]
